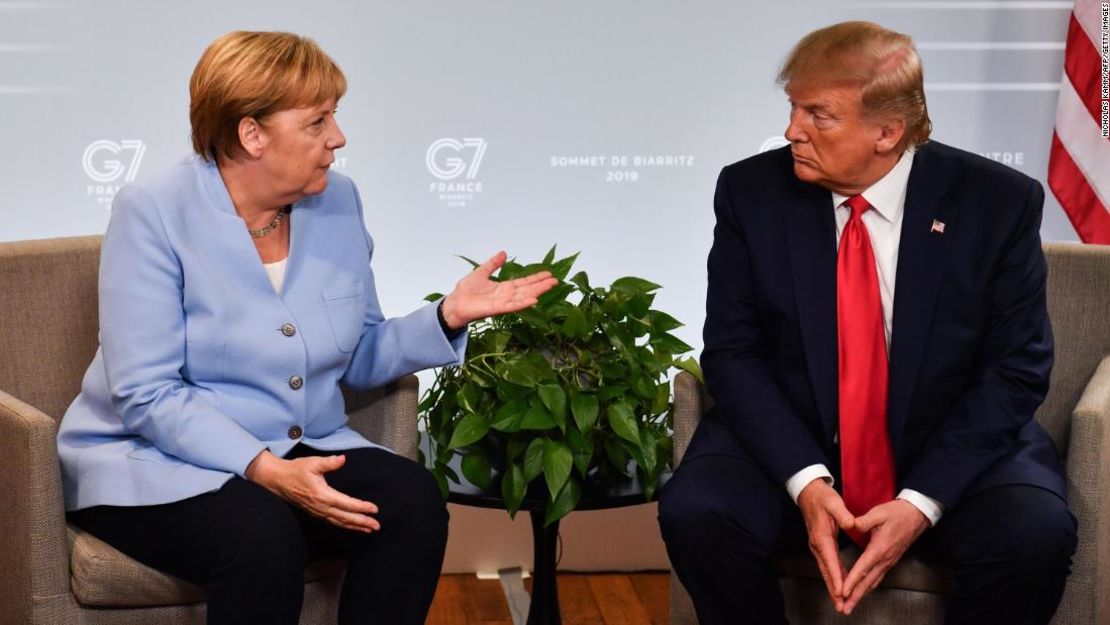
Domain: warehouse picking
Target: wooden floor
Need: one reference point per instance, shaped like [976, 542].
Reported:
[585, 599]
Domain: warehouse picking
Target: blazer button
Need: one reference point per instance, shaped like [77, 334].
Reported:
[296, 382]
[288, 329]
[295, 432]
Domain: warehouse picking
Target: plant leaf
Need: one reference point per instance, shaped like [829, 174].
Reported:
[611, 392]
[662, 398]
[533, 459]
[476, 468]
[540, 366]
[469, 430]
[518, 371]
[473, 263]
[558, 293]
[432, 297]
[512, 488]
[647, 449]
[441, 481]
[581, 280]
[564, 502]
[550, 256]
[662, 322]
[669, 342]
[623, 422]
[498, 340]
[582, 447]
[634, 286]
[468, 397]
[616, 455]
[555, 398]
[510, 270]
[509, 415]
[557, 462]
[575, 324]
[638, 306]
[644, 386]
[692, 366]
[584, 407]
[537, 418]
[448, 472]
[561, 268]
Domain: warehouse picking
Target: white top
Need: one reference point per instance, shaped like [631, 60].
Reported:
[884, 227]
[276, 273]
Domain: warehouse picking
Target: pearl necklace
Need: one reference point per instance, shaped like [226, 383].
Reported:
[268, 228]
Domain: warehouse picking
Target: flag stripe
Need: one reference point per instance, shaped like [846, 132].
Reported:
[1089, 14]
[1083, 67]
[1079, 160]
[1082, 137]
[1084, 208]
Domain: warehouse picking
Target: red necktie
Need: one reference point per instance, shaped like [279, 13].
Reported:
[866, 459]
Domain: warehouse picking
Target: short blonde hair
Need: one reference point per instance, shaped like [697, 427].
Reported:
[883, 63]
[254, 74]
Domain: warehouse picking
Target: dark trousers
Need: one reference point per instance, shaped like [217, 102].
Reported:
[248, 548]
[723, 519]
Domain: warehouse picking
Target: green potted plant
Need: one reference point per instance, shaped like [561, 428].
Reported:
[575, 388]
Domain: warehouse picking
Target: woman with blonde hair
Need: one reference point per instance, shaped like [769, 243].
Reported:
[209, 439]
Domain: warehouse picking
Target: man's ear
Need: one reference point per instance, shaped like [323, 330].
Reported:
[892, 130]
[251, 136]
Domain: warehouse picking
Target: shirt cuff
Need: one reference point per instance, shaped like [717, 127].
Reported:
[931, 508]
[447, 331]
[802, 478]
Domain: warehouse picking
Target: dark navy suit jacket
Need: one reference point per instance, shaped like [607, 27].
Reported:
[971, 348]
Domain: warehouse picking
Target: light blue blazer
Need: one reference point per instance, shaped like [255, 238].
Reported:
[202, 365]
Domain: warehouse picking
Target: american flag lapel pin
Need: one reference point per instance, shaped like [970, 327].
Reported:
[938, 227]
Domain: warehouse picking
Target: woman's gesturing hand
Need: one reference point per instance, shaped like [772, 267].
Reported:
[301, 481]
[476, 296]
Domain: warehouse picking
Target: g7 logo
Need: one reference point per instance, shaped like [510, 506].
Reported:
[453, 165]
[108, 169]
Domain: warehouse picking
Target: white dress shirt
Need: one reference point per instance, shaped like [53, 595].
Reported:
[275, 271]
[887, 198]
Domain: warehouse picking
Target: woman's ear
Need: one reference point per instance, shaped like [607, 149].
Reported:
[252, 136]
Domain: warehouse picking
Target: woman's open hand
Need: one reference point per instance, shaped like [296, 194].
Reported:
[476, 296]
[301, 481]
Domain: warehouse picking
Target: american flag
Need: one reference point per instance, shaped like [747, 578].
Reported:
[1079, 164]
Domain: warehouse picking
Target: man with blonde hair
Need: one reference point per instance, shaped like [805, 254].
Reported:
[902, 418]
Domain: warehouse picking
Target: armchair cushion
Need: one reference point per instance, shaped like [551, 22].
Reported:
[104, 577]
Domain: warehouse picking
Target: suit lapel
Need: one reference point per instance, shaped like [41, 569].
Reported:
[922, 259]
[811, 232]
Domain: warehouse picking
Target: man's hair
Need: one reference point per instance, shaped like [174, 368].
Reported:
[254, 74]
[883, 63]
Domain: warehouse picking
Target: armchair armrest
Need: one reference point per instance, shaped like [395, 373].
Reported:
[386, 415]
[1088, 467]
[690, 402]
[34, 562]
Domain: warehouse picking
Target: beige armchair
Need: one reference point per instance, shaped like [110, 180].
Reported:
[1076, 414]
[52, 572]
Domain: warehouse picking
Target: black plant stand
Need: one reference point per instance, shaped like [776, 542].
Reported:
[544, 606]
